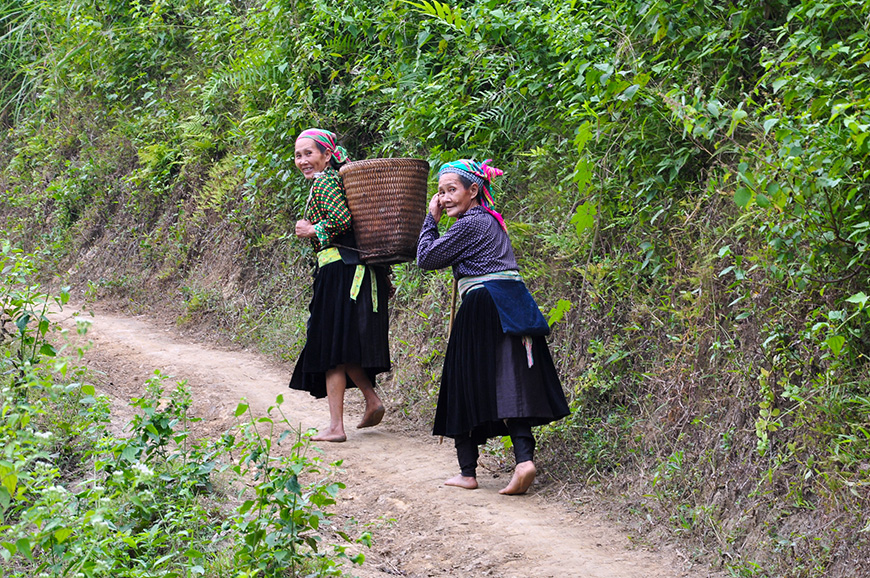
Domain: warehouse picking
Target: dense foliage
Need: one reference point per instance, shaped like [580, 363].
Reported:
[76, 500]
[685, 184]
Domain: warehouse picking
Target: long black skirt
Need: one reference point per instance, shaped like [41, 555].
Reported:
[342, 330]
[487, 379]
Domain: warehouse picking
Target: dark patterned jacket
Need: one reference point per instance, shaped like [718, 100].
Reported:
[474, 245]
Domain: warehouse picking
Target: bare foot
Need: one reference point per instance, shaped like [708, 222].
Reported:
[461, 481]
[524, 475]
[373, 417]
[330, 435]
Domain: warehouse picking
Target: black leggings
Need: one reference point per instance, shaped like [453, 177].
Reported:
[521, 436]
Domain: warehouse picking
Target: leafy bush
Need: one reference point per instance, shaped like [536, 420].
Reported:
[76, 500]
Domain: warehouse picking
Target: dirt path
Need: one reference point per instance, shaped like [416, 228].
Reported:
[394, 481]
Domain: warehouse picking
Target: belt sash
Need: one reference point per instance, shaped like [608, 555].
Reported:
[331, 255]
[472, 282]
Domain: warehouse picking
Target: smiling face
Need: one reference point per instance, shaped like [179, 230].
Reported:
[455, 198]
[309, 158]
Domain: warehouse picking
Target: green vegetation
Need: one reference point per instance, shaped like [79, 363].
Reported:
[76, 500]
[685, 185]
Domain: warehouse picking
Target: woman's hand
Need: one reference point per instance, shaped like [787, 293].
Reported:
[304, 229]
[435, 208]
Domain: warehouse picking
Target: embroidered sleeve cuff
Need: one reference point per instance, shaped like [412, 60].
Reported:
[322, 235]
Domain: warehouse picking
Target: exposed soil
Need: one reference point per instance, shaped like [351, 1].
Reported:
[394, 478]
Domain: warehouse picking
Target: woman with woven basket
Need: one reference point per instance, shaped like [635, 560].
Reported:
[347, 337]
[498, 377]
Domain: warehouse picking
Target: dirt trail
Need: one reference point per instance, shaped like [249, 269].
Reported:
[394, 480]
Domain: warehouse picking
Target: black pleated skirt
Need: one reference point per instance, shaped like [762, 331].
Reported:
[486, 377]
[342, 330]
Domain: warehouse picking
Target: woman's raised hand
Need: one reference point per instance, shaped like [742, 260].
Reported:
[435, 208]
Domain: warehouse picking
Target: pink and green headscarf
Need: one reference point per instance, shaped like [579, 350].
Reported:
[327, 140]
[480, 173]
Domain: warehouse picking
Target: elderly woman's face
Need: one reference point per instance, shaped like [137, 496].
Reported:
[309, 158]
[454, 197]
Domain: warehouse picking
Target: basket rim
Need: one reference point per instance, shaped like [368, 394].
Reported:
[385, 161]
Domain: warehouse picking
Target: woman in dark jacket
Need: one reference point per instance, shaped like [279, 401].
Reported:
[498, 377]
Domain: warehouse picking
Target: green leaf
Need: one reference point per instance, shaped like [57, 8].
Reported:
[246, 507]
[713, 109]
[163, 559]
[629, 92]
[8, 479]
[769, 124]
[762, 201]
[22, 323]
[558, 312]
[88, 389]
[422, 37]
[736, 117]
[742, 196]
[48, 350]
[23, 545]
[129, 453]
[584, 217]
[241, 409]
[859, 299]
[835, 343]
[583, 174]
[661, 33]
[584, 134]
[779, 83]
[62, 534]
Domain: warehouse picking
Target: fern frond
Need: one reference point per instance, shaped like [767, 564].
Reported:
[440, 11]
[343, 45]
[223, 178]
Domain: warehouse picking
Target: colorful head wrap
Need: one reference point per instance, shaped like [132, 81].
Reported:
[327, 140]
[480, 173]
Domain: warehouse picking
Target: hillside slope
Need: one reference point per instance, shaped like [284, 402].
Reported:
[686, 187]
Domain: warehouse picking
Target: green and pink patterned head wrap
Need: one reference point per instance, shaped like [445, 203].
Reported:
[327, 140]
[480, 173]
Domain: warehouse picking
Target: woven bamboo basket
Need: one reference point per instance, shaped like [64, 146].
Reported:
[387, 199]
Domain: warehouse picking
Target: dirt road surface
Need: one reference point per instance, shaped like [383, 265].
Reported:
[394, 478]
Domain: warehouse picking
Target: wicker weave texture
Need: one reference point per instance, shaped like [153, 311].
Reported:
[387, 199]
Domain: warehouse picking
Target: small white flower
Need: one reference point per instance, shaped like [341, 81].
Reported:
[55, 492]
[143, 470]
